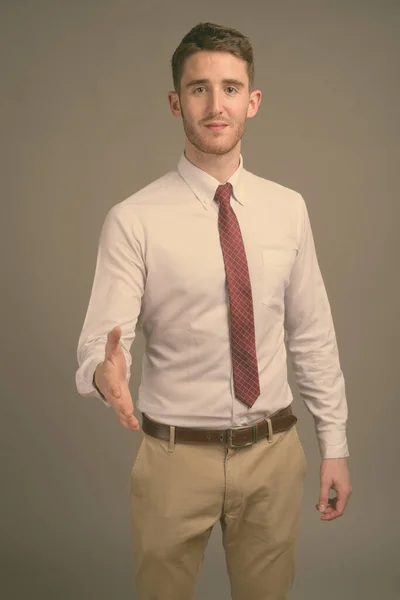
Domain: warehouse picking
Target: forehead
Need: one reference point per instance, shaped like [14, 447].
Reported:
[212, 64]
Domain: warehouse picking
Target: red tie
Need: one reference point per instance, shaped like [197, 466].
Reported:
[243, 344]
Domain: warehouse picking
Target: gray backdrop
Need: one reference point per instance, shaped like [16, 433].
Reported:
[85, 123]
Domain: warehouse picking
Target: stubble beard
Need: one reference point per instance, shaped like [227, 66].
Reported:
[217, 147]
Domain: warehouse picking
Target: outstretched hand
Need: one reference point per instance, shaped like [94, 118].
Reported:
[110, 377]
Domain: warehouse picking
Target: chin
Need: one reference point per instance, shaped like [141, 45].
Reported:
[217, 147]
[224, 149]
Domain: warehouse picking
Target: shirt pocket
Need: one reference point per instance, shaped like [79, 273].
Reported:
[277, 265]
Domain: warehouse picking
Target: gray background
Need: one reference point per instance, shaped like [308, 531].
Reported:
[85, 123]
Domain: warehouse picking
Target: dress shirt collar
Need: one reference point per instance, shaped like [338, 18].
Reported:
[204, 185]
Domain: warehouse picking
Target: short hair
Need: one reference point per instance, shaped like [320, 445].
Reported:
[212, 37]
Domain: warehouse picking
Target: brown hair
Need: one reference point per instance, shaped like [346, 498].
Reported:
[209, 36]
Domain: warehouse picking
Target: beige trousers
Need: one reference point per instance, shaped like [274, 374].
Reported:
[179, 493]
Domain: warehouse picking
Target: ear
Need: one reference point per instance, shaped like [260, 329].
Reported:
[174, 104]
[255, 99]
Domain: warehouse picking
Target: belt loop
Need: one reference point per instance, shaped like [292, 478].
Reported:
[171, 446]
[270, 431]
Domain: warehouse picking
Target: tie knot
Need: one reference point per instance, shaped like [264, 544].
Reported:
[223, 193]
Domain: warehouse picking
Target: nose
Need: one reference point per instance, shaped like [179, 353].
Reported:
[215, 102]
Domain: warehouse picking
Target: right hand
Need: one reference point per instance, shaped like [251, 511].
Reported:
[110, 378]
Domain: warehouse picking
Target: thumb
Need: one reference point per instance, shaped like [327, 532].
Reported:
[323, 496]
[113, 338]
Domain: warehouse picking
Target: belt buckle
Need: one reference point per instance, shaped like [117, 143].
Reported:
[250, 443]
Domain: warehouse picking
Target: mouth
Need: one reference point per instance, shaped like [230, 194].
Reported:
[216, 127]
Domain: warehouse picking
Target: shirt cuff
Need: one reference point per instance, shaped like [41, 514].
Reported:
[333, 444]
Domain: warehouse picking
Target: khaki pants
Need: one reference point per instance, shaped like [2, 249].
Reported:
[178, 496]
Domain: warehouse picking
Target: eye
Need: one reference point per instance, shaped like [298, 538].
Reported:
[231, 88]
[199, 88]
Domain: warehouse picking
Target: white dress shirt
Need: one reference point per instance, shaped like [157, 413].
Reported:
[160, 268]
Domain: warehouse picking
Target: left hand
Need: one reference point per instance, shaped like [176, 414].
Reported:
[334, 474]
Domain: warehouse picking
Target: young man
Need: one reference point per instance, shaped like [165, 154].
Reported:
[218, 268]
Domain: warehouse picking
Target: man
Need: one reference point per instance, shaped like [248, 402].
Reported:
[218, 268]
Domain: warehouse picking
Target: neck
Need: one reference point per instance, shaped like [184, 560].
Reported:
[221, 167]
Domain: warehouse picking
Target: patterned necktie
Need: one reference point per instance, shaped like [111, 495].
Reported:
[243, 345]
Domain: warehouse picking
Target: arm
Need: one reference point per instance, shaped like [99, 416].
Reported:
[116, 295]
[312, 348]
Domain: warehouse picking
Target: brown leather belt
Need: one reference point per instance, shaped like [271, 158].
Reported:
[237, 437]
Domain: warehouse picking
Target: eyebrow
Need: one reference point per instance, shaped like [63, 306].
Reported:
[234, 82]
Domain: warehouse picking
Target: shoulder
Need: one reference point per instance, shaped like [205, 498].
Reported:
[154, 191]
[271, 189]
[143, 199]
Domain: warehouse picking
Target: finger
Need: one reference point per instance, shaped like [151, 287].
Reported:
[132, 426]
[334, 511]
[125, 414]
[330, 506]
[125, 406]
[342, 500]
[113, 338]
[330, 516]
[131, 423]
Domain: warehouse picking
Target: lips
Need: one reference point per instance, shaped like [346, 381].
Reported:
[216, 126]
